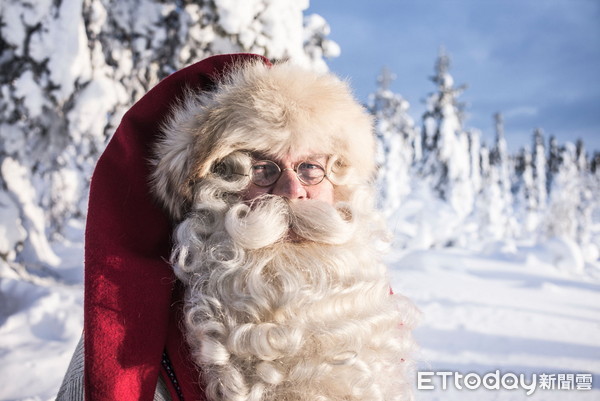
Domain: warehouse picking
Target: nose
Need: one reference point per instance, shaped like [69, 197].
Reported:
[289, 186]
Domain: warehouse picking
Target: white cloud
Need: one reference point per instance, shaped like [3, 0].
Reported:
[522, 111]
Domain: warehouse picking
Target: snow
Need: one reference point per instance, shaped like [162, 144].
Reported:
[14, 33]
[235, 17]
[36, 248]
[507, 308]
[64, 45]
[11, 231]
[505, 311]
[30, 92]
[40, 323]
[562, 253]
[95, 100]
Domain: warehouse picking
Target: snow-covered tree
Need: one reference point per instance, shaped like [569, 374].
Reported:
[523, 190]
[69, 69]
[572, 197]
[539, 169]
[581, 156]
[593, 185]
[475, 146]
[489, 211]
[445, 144]
[554, 162]
[462, 193]
[499, 157]
[494, 203]
[595, 163]
[588, 192]
[396, 136]
[564, 201]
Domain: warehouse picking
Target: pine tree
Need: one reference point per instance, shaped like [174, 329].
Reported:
[489, 208]
[595, 163]
[539, 170]
[565, 198]
[395, 136]
[587, 202]
[554, 161]
[593, 184]
[499, 157]
[523, 190]
[475, 148]
[496, 194]
[445, 144]
[581, 156]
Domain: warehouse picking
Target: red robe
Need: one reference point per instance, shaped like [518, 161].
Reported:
[132, 302]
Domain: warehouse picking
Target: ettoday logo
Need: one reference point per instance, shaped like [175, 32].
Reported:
[508, 381]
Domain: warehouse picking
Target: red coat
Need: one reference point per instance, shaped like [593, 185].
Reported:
[132, 302]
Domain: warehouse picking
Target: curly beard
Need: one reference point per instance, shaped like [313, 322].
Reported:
[310, 319]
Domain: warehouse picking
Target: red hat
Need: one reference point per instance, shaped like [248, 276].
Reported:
[131, 300]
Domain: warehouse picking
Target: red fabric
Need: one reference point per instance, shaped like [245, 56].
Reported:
[129, 315]
[178, 352]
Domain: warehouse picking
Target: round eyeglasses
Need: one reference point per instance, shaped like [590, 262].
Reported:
[264, 173]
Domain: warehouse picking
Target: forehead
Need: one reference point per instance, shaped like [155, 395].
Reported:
[291, 157]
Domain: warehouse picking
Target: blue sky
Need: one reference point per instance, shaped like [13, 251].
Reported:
[535, 61]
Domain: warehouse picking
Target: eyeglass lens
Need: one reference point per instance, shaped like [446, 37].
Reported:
[266, 172]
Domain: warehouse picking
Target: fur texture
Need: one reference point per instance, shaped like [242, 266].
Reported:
[268, 319]
[266, 109]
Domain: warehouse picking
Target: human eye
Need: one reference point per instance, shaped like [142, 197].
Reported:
[310, 165]
[311, 171]
[259, 166]
[265, 166]
[264, 172]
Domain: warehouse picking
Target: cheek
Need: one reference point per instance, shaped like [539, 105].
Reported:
[323, 192]
[253, 192]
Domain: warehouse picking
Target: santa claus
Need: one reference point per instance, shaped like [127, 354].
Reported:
[233, 250]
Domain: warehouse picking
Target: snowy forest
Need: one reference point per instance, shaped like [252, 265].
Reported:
[69, 69]
[473, 194]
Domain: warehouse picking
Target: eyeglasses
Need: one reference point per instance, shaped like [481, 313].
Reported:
[264, 173]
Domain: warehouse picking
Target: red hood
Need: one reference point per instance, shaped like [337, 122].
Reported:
[130, 302]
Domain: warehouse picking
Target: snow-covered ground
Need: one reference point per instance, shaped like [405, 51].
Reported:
[40, 324]
[510, 312]
[508, 309]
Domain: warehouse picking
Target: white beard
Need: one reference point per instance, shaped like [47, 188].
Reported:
[273, 319]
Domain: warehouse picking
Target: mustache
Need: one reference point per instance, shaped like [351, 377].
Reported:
[270, 219]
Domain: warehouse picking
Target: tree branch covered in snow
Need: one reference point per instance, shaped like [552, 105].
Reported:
[69, 69]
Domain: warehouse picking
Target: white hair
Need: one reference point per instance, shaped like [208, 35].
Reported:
[272, 319]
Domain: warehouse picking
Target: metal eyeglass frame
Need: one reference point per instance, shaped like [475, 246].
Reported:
[294, 169]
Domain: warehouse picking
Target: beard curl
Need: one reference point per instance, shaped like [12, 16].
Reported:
[271, 319]
[319, 222]
[259, 226]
